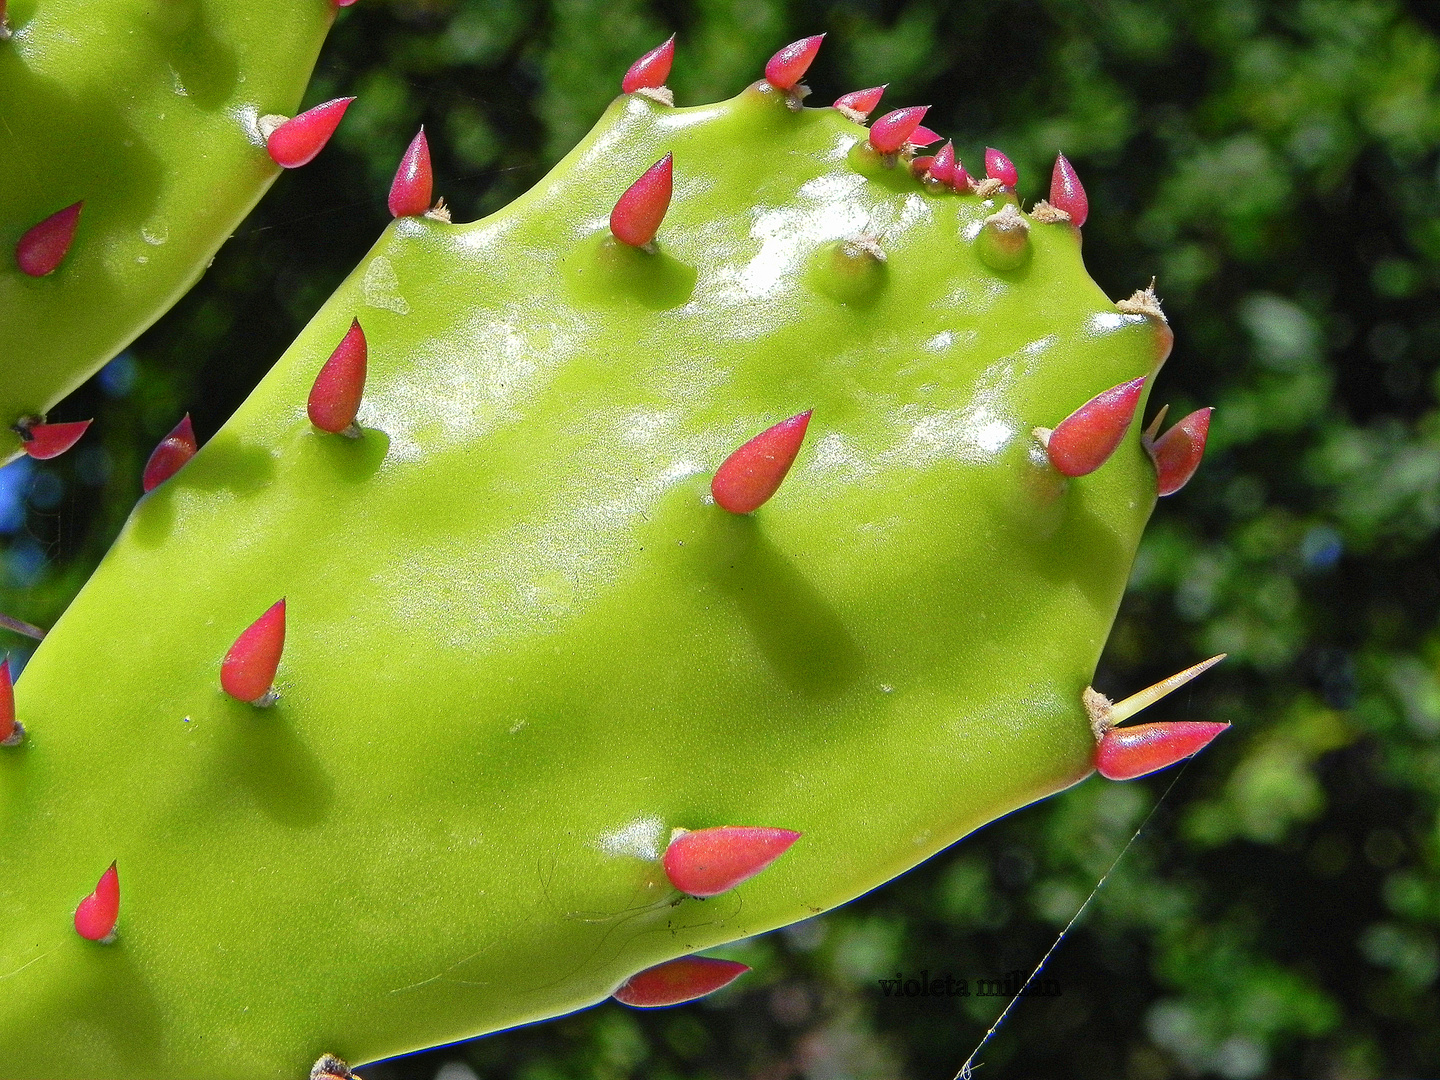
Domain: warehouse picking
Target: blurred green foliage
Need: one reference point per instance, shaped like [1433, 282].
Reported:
[1274, 163]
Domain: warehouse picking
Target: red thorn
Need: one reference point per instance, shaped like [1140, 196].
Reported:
[999, 167]
[942, 169]
[921, 166]
[249, 667]
[344, 3]
[43, 246]
[172, 452]
[45, 441]
[1128, 752]
[651, 70]
[411, 189]
[1067, 193]
[638, 213]
[8, 727]
[678, 981]
[708, 862]
[788, 66]
[923, 136]
[1177, 453]
[97, 914]
[754, 472]
[960, 181]
[335, 397]
[861, 101]
[894, 129]
[1086, 438]
[298, 140]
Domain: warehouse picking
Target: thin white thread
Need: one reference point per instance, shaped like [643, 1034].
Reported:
[967, 1071]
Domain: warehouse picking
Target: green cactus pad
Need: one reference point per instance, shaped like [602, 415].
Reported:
[523, 643]
[149, 113]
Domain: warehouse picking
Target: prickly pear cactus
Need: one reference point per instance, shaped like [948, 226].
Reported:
[524, 641]
[130, 148]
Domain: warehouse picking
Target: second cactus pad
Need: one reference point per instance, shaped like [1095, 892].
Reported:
[130, 148]
[522, 642]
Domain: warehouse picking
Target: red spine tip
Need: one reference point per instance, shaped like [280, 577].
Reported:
[96, 915]
[335, 397]
[172, 452]
[299, 139]
[1177, 453]
[248, 670]
[893, 130]
[651, 70]
[942, 169]
[45, 441]
[923, 136]
[43, 247]
[999, 167]
[1086, 438]
[788, 66]
[638, 213]
[708, 862]
[8, 727]
[754, 472]
[1067, 193]
[678, 981]
[862, 102]
[1129, 752]
[411, 189]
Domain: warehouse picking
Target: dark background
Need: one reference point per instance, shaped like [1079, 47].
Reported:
[1275, 165]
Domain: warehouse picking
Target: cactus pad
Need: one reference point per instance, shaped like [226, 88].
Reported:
[148, 114]
[523, 644]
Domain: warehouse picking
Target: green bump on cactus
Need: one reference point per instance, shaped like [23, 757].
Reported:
[166, 169]
[524, 646]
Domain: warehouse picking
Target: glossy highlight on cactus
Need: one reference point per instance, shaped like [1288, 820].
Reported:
[248, 671]
[708, 862]
[678, 981]
[170, 455]
[528, 644]
[411, 189]
[43, 247]
[752, 474]
[97, 914]
[300, 139]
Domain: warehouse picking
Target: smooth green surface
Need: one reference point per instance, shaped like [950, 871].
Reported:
[146, 110]
[523, 646]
